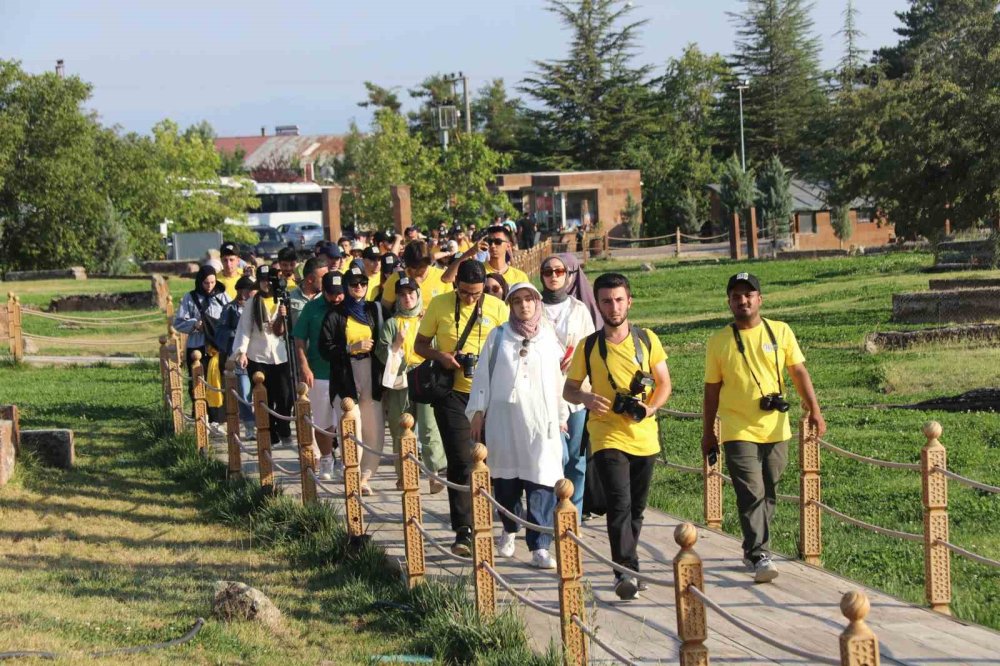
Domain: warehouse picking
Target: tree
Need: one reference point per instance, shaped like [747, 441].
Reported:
[840, 219]
[777, 52]
[114, 251]
[775, 197]
[690, 220]
[466, 170]
[593, 101]
[852, 65]
[381, 98]
[231, 164]
[738, 191]
[202, 130]
[433, 92]
[501, 120]
[277, 169]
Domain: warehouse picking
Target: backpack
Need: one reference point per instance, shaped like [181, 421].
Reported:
[639, 335]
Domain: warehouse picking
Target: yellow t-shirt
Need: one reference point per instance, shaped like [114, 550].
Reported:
[430, 286]
[739, 400]
[617, 431]
[512, 275]
[229, 283]
[439, 323]
[373, 283]
[357, 331]
[410, 357]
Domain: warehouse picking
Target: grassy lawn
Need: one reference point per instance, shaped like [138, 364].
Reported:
[117, 553]
[832, 304]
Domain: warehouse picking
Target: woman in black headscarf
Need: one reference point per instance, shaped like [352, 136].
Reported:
[198, 315]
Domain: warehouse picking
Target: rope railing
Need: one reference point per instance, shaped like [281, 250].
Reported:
[312, 424]
[517, 519]
[374, 452]
[592, 635]
[434, 542]
[241, 400]
[615, 566]
[319, 482]
[885, 531]
[462, 488]
[96, 321]
[91, 343]
[968, 554]
[518, 595]
[888, 464]
[275, 414]
[679, 414]
[965, 481]
[812, 657]
[204, 382]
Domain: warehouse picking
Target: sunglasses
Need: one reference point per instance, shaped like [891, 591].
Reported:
[524, 347]
[495, 241]
[557, 272]
[359, 284]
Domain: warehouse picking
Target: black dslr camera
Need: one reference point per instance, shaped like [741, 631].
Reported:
[468, 363]
[279, 286]
[629, 405]
[774, 402]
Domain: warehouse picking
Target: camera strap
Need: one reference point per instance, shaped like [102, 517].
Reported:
[477, 315]
[602, 348]
[743, 353]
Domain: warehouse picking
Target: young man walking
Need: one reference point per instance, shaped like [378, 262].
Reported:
[744, 364]
[629, 380]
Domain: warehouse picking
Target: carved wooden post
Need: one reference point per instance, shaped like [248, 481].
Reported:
[231, 384]
[200, 405]
[692, 627]
[569, 562]
[937, 559]
[712, 479]
[412, 510]
[170, 308]
[304, 432]
[810, 516]
[858, 643]
[15, 340]
[264, 470]
[176, 387]
[482, 533]
[352, 471]
[165, 372]
[677, 241]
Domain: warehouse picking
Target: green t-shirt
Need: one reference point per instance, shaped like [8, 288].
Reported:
[308, 327]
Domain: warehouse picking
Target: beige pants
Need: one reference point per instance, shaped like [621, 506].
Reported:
[372, 428]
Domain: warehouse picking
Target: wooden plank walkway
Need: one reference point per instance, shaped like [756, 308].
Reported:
[800, 608]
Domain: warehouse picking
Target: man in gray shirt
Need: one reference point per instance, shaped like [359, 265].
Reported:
[309, 288]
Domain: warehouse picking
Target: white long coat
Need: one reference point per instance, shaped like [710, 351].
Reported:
[523, 405]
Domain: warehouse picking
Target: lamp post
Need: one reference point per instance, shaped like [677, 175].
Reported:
[744, 84]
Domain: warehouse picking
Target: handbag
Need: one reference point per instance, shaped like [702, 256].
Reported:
[213, 377]
[429, 382]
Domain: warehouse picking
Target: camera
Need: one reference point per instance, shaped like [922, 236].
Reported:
[629, 406]
[641, 382]
[774, 402]
[279, 286]
[468, 363]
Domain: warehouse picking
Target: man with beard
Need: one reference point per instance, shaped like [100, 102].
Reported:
[744, 363]
[627, 368]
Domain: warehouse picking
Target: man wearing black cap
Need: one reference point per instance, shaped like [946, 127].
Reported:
[465, 316]
[334, 258]
[744, 364]
[229, 255]
[372, 263]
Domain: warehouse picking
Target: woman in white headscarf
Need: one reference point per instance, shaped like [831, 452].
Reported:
[516, 402]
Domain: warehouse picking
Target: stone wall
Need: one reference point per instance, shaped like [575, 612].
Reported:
[964, 283]
[71, 273]
[948, 334]
[955, 305]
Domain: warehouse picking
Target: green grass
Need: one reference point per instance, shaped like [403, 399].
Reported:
[831, 305]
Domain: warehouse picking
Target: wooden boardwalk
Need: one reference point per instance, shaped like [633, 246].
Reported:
[800, 608]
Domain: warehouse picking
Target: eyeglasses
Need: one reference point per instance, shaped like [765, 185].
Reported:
[469, 294]
[550, 272]
[495, 241]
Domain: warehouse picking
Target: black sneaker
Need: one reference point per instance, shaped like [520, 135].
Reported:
[463, 542]
[626, 587]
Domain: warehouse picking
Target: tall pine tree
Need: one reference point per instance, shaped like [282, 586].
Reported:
[851, 67]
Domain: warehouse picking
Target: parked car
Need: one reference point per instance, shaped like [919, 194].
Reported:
[301, 235]
[269, 242]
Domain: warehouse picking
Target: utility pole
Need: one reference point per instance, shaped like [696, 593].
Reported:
[453, 79]
[743, 85]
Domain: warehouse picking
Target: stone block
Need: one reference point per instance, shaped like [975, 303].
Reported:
[53, 447]
[7, 454]
[71, 273]
[10, 413]
[234, 601]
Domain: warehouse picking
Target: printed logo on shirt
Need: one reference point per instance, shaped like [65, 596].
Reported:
[767, 347]
[487, 321]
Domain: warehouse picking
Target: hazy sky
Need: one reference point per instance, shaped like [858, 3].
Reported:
[241, 65]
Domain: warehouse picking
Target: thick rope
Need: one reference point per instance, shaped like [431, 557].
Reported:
[374, 514]
[315, 427]
[617, 567]
[517, 519]
[96, 321]
[91, 343]
[705, 238]
[240, 399]
[443, 481]
[679, 468]
[432, 541]
[965, 553]
[604, 646]
[276, 414]
[519, 596]
[871, 461]
[383, 456]
[209, 386]
[906, 536]
[965, 481]
[322, 484]
[811, 657]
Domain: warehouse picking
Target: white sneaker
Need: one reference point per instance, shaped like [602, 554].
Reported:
[764, 570]
[505, 544]
[326, 468]
[540, 559]
[338, 468]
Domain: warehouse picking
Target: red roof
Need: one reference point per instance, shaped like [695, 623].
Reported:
[229, 144]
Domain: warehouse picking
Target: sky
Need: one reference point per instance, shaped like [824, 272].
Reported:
[244, 65]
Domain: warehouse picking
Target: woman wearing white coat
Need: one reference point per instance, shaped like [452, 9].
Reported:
[517, 394]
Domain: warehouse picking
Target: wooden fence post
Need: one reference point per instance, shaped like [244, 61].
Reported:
[264, 470]
[200, 404]
[569, 563]
[233, 419]
[176, 387]
[482, 533]
[412, 510]
[352, 472]
[304, 433]
[15, 341]
[810, 516]
[692, 626]
[934, 487]
[858, 643]
[165, 372]
[677, 241]
[712, 480]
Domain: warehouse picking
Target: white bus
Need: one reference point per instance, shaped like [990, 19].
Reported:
[281, 203]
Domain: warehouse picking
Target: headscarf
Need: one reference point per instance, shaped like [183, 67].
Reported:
[199, 278]
[559, 295]
[578, 286]
[499, 279]
[415, 310]
[526, 328]
[355, 307]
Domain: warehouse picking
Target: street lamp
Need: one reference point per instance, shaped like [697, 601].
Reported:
[744, 84]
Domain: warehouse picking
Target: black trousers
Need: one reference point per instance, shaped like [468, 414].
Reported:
[278, 381]
[626, 480]
[456, 436]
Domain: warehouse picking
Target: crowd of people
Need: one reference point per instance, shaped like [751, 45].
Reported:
[556, 380]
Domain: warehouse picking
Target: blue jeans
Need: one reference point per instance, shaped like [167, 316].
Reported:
[575, 461]
[541, 508]
[246, 413]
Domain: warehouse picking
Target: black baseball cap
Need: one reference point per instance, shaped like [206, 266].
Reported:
[406, 282]
[745, 278]
[228, 250]
[333, 251]
[333, 283]
[245, 283]
[355, 276]
[388, 263]
[370, 253]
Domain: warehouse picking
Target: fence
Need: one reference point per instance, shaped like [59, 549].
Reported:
[858, 644]
[530, 261]
[680, 243]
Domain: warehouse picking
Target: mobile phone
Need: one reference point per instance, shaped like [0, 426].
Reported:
[713, 456]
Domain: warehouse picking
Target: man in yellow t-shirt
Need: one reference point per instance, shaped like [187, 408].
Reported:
[371, 259]
[418, 263]
[471, 314]
[627, 368]
[231, 271]
[744, 364]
